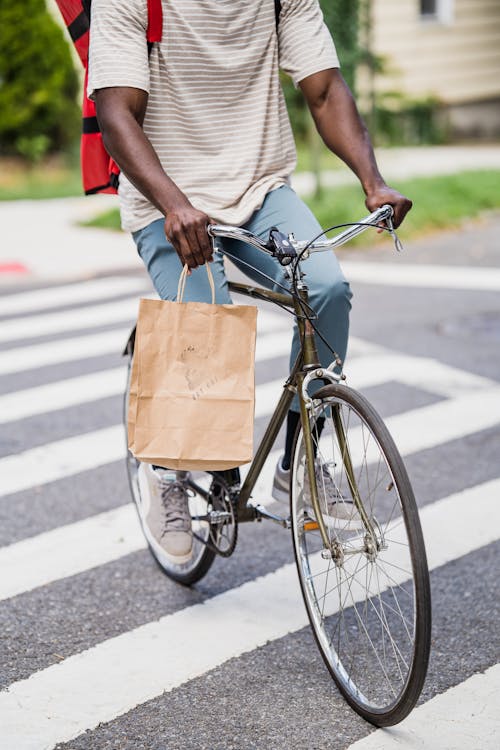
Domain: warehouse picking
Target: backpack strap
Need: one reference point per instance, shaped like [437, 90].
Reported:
[277, 11]
[155, 21]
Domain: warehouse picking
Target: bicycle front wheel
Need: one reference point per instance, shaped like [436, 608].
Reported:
[367, 590]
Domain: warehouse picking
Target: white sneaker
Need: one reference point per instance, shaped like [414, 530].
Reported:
[165, 513]
[340, 513]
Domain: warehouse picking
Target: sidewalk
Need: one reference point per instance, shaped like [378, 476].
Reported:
[42, 242]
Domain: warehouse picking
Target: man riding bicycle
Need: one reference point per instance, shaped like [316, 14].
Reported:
[200, 130]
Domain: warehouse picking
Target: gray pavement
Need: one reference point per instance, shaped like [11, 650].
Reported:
[278, 695]
[44, 238]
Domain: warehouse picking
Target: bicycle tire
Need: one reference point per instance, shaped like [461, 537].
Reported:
[203, 554]
[379, 668]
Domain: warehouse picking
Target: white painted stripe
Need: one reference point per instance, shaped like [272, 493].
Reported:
[420, 372]
[65, 350]
[60, 459]
[430, 276]
[420, 429]
[465, 716]
[70, 294]
[411, 430]
[93, 316]
[364, 371]
[87, 388]
[415, 430]
[62, 394]
[97, 315]
[111, 342]
[68, 550]
[367, 371]
[97, 685]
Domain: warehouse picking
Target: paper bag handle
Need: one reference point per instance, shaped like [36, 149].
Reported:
[182, 282]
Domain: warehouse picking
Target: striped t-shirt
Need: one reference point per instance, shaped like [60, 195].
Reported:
[216, 114]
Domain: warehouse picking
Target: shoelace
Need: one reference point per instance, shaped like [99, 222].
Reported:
[175, 502]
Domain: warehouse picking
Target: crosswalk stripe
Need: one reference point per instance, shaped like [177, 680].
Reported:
[411, 430]
[59, 352]
[428, 276]
[465, 716]
[93, 316]
[364, 371]
[82, 389]
[414, 430]
[62, 394]
[69, 550]
[96, 315]
[269, 346]
[70, 294]
[103, 682]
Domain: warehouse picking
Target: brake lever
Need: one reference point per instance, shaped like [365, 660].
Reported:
[390, 228]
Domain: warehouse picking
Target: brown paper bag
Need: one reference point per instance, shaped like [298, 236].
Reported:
[192, 389]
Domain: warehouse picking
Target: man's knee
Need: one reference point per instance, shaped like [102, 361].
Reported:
[334, 294]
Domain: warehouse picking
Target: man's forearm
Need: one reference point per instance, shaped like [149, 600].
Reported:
[343, 131]
[126, 142]
[120, 111]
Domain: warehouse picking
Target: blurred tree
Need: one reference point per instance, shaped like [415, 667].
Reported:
[38, 84]
[342, 18]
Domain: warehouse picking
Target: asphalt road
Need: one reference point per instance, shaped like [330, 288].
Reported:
[81, 596]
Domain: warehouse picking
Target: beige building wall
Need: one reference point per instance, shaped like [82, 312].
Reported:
[454, 57]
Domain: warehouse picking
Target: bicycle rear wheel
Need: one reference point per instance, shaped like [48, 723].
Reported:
[200, 486]
[368, 594]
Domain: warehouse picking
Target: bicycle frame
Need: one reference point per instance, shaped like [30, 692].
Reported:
[306, 361]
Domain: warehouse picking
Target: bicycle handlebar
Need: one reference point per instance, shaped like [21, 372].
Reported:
[381, 214]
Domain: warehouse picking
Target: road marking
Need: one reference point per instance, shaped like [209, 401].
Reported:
[66, 350]
[427, 276]
[70, 294]
[97, 685]
[63, 458]
[97, 315]
[413, 431]
[93, 316]
[72, 349]
[62, 394]
[364, 371]
[69, 550]
[82, 389]
[465, 716]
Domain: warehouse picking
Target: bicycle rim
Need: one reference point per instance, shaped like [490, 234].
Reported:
[368, 595]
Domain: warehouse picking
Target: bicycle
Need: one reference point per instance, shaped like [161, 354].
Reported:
[364, 576]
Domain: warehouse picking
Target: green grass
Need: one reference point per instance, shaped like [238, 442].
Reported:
[54, 178]
[438, 203]
[441, 202]
[106, 220]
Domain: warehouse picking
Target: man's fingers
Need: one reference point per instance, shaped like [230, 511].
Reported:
[401, 208]
[204, 242]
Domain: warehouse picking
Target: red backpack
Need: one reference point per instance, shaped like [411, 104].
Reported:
[99, 171]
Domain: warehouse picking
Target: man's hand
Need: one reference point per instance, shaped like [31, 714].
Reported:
[186, 229]
[382, 195]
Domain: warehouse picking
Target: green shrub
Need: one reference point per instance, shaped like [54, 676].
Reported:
[38, 84]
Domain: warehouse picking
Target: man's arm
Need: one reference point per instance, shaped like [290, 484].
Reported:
[343, 131]
[120, 112]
